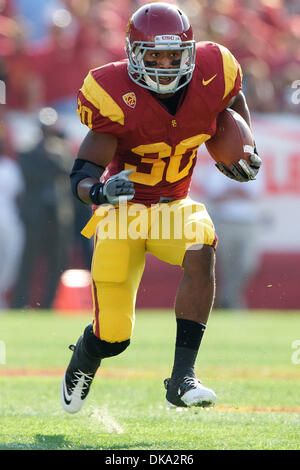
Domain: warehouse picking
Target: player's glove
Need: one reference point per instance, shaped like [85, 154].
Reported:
[116, 186]
[243, 171]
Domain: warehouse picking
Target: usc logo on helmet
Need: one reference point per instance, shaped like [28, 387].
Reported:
[130, 99]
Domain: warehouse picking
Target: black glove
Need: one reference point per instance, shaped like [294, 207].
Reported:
[116, 186]
[243, 171]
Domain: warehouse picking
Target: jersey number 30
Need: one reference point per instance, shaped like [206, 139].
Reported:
[166, 164]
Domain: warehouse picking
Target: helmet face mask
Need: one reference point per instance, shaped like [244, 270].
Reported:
[150, 77]
[158, 27]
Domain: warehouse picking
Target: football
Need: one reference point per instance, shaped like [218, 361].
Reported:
[233, 139]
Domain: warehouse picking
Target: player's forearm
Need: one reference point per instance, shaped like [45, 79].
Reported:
[91, 191]
[94, 154]
[240, 106]
[84, 188]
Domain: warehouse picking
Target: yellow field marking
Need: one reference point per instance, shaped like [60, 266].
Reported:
[211, 374]
[258, 409]
[113, 373]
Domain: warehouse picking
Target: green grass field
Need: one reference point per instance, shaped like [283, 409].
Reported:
[247, 358]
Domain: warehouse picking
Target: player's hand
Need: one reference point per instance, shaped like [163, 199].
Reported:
[119, 185]
[116, 187]
[244, 171]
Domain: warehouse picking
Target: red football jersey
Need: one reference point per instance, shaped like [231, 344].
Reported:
[160, 147]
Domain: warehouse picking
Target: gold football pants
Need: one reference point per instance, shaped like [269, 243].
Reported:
[123, 236]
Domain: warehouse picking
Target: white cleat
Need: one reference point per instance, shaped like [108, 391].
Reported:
[74, 390]
[190, 392]
[78, 378]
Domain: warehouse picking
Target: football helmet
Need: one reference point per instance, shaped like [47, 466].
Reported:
[160, 27]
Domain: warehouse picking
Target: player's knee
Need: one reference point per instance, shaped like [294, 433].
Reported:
[100, 348]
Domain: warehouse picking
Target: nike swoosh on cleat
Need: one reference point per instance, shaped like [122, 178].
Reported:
[66, 400]
[206, 82]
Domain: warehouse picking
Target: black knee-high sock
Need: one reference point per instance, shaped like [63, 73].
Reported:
[188, 340]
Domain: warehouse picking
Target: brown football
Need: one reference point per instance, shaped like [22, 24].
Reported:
[233, 139]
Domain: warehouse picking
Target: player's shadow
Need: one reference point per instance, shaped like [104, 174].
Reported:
[41, 442]
[51, 442]
[58, 442]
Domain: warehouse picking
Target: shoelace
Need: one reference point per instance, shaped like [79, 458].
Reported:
[190, 381]
[79, 375]
[85, 379]
[187, 384]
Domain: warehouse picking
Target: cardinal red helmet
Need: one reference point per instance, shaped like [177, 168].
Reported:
[160, 26]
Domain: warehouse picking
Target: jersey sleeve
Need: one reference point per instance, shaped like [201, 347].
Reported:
[232, 74]
[97, 109]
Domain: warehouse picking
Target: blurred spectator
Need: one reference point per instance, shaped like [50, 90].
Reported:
[36, 19]
[7, 145]
[23, 88]
[47, 213]
[8, 7]
[60, 68]
[101, 33]
[257, 86]
[232, 207]
[11, 228]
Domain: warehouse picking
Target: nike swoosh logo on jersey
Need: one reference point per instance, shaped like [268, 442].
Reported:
[206, 82]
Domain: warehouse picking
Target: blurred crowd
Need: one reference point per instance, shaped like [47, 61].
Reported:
[46, 50]
[46, 47]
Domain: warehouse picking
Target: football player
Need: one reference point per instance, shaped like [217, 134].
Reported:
[147, 117]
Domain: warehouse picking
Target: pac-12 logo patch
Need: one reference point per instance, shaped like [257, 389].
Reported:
[130, 99]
